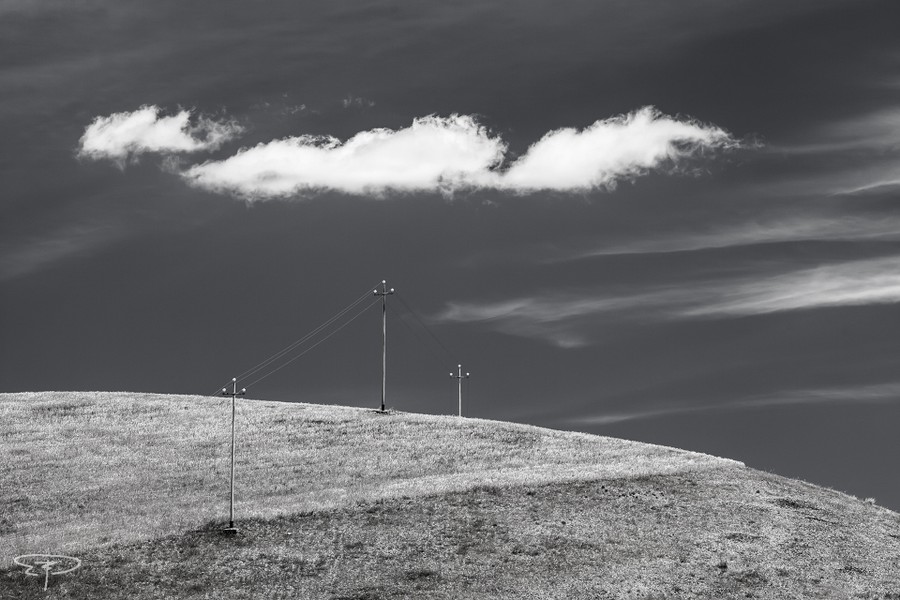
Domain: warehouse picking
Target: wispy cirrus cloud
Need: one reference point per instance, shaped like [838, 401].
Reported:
[858, 394]
[41, 251]
[878, 130]
[856, 154]
[555, 318]
[457, 153]
[851, 283]
[572, 319]
[124, 136]
[765, 230]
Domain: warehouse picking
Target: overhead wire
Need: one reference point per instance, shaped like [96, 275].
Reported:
[275, 370]
[468, 391]
[427, 329]
[418, 337]
[298, 342]
[290, 347]
[339, 315]
[437, 341]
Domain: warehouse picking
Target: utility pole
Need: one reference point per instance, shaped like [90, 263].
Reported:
[459, 377]
[384, 293]
[234, 393]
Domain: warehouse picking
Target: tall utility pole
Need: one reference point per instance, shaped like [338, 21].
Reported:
[384, 293]
[233, 393]
[459, 377]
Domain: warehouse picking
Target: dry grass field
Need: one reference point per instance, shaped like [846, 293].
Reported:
[349, 503]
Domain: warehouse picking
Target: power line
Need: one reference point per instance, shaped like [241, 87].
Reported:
[460, 375]
[469, 392]
[382, 293]
[312, 333]
[428, 346]
[300, 341]
[427, 329]
[275, 370]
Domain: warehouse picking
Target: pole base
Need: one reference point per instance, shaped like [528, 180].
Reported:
[229, 531]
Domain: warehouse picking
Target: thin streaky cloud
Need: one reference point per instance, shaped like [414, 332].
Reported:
[763, 231]
[611, 418]
[878, 130]
[553, 318]
[41, 252]
[783, 227]
[124, 136]
[853, 283]
[573, 319]
[869, 394]
[887, 184]
[456, 153]
[861, 151]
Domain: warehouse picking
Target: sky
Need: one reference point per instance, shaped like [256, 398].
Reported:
[673, 222]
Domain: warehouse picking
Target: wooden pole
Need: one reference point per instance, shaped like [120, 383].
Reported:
[384, 293]
[459, 377]
[234, 393]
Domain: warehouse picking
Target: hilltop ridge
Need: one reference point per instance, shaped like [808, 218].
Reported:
[338, 502]
[144, 465]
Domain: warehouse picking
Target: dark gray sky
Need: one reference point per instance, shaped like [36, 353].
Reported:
[720, 273]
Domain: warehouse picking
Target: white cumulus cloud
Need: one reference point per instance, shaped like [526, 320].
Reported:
[434, 153]
[618, 148]
[124, 136]
[456, 153]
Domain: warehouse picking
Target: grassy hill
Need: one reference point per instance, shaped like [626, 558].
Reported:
[348, 503]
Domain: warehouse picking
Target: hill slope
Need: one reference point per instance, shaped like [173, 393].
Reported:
[349, 503]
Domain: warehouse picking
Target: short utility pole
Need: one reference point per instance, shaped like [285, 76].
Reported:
[233, 393]
[384, 293]
[459, 377]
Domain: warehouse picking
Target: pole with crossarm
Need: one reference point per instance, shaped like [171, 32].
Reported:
[233, 393]
[384, 293]
[459, 377]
